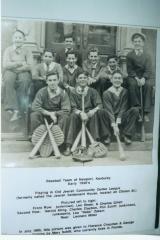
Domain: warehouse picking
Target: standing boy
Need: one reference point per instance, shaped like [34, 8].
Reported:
[69, 45]
[140, 75]
[120, 116]
[93, 114]
[51, 102]
[17, 63]
[93, 66]
[41, 70]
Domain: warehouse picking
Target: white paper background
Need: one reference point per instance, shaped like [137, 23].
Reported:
[24, 182]
[123, 12]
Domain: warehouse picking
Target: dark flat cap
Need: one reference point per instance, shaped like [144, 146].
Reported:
[141, 35]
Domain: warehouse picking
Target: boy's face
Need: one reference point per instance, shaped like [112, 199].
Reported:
[47, 57]
[138, 43]
[82, 80]
[68, 42]
[93, 57]
[52, 82]
[112, 62]
[18, 39]
[117, 80]
[71, 60]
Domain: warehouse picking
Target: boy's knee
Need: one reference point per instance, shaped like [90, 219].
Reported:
[148, 84]
[135, 111]
[74, 116]
[35, 116]
[132, 83]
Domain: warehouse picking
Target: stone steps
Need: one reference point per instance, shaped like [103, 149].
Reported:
[12, 146]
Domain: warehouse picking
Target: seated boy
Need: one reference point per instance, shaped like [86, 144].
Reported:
[93, 66]
[51, 102]
[17, 63]
[140, 75]
[106, 72]
[40, 71]
[93, 114]
[120, 116]
[70, 71]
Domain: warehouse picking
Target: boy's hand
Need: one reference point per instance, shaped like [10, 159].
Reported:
[91, 80]
[91, 113]
[84, 116]
[138, 81]
[71, 88]
[53, 117]
[115, 129]
[142, 81]
[19, 64]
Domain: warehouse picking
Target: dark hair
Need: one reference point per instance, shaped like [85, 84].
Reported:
[68, 36]
[72, 52]
[82, 72]
[48, 50]
[17, 30]
[93, 49]
[117, 71]
[112, 56]
[52, 74]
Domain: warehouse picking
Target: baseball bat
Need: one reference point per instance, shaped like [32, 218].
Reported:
[120, 148]
[76, 142]
[90, 137]
[142, 126]
[83, 138]
[53, 142]
[39, 143]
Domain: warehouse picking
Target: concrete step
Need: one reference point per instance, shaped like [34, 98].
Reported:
[12, 146]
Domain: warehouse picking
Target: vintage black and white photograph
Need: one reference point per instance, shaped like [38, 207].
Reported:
[76, 94]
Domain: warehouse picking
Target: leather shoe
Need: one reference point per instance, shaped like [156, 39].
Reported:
[67, 152]
[127, 140]
[146, 118]
[107, 141]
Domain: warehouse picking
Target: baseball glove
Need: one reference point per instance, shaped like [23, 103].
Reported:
[97, 150]
[81, 155]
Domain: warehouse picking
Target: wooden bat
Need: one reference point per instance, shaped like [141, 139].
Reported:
[142, 126]
[76, 142]
[39, 143]
[90, 137]
[120, 148]
[53, 142]
[83, 138]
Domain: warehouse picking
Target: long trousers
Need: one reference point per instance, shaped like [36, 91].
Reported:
[98, 126]
[16, 86]
[134, 94]
[128, 123]
[37, 118]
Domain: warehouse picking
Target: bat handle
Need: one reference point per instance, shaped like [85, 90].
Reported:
[53, 142]
[83, 138]
[90, 136]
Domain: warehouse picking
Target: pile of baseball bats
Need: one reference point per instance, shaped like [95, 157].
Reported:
[41, 140]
